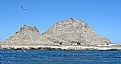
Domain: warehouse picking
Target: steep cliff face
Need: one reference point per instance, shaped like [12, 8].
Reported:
[27, 35]
[74, 32]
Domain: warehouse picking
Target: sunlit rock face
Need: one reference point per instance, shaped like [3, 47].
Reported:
[27, 35]
[65, 33]
[71, 32]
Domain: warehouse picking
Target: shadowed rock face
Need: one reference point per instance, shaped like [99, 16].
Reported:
[68, 32]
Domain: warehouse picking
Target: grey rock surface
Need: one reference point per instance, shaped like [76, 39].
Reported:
[27, 35]
[77, 31]
[65, 33]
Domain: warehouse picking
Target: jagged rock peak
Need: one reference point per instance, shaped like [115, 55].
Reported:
[26, 35]
[29, 28]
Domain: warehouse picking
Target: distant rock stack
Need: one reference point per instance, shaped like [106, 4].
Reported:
[74, 32]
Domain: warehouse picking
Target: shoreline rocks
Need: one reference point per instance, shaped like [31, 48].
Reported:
[39, 47]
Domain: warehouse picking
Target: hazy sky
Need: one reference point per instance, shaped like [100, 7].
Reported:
[103, 16]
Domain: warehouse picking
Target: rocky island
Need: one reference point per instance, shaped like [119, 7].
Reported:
[65, 35]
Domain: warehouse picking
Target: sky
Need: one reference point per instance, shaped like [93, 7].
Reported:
[103, 16]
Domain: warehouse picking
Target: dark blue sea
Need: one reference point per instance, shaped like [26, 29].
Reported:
[59, 57]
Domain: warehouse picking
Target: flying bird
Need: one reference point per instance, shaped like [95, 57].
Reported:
[23, 8]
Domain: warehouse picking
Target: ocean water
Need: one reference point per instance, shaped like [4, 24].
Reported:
[59, 57]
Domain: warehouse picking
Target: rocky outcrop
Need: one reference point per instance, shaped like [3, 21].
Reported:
[65, 33]
[27, 35]
[74, 32]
